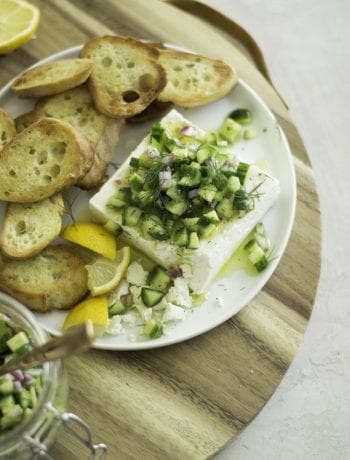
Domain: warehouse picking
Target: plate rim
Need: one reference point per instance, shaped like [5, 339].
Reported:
[152, 344]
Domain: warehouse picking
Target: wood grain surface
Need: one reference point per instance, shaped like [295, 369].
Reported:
[188, 400]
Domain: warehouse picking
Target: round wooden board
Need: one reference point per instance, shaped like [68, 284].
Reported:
[189, 400]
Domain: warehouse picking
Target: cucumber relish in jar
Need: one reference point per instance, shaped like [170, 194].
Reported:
[32, 401]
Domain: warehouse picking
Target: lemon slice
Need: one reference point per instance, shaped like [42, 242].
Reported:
[19, 21]
[104, 275]
[95, 309]
[92, 236]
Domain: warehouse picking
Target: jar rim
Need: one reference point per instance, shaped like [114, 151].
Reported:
[17, 311]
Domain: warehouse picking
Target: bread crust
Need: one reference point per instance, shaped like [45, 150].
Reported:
[7, 128]
[30, 227]
[194, 80]
[126, 76]
[24, 120]
[47, 157]
[54, 278]
[52, 78]
[76, 107]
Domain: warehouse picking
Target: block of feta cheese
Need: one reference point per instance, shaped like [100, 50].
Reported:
[202, 264]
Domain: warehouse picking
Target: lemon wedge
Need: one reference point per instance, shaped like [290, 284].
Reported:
[19, 21]
[92, 236]
[94, 309]
[104, 275]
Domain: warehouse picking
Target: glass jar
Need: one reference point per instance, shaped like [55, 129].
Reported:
[32, 438]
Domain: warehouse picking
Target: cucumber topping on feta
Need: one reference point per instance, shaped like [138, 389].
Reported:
[182, 174]
[150, 300]
[183, 197]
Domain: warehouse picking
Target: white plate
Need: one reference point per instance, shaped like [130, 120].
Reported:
[238, 288]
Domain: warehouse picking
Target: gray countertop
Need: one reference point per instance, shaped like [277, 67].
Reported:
[306, 47]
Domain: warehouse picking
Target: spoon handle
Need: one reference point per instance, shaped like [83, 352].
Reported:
[76, 339]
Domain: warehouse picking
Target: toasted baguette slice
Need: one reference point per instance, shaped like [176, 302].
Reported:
[47, 157]
[194, 80]
[54, 278]
[24, 120]
[30, 227]
[52, 78]
[7, 128]
[126, 76]
[76, 107]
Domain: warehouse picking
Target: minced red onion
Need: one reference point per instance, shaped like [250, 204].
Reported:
[225, 166]
[18, 375]
[175, 272]
[188, 130]
[27, 379]
[118, 182]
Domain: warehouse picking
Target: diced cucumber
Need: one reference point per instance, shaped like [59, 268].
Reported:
[190, 175]
[131, 216]
[180, 154]
[114, 227]
[225, 208]
[256, 255]
[193, 240]
[145, 161]
[207, 231]
[7, 402]
[203, 153]
[12, 417]
[152, 226]
[208, 192]
[136, 181]
[176, 207]
[210, 217]
[242, 170]
[5, 335]
[114, 202]
[153, 329]
[24, 398]
[211, 138]
[230, 130]
[145, 198]
[134, 162]
[243, 201]
[169, 225]
[181, 237]
[175, 193]
[191, 223]
[158, 278]
[242, 116]
[151, 297]
[6, 387]
[233, 184]
[17, 341]
[118, 308]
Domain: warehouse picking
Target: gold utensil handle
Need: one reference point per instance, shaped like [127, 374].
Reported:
[76, 339]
